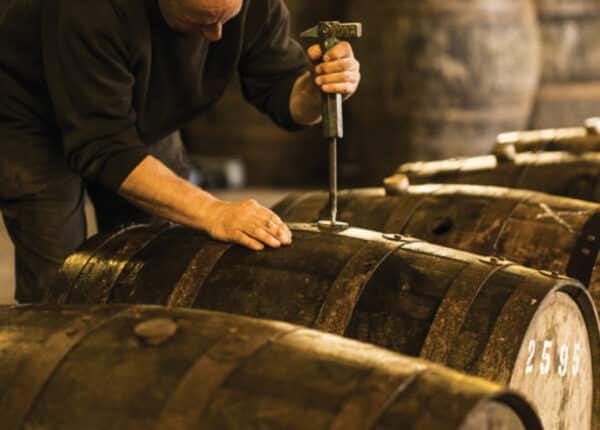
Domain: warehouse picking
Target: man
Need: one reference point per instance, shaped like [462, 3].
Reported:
[90, 86]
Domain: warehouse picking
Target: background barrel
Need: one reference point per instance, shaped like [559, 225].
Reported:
[442, 79]
[149, 367]
[235, 129]
[570, 86]
[486, 317]
[534, 229]
[560, 173]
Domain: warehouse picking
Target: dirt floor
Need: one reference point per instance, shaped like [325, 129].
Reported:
[7, 280]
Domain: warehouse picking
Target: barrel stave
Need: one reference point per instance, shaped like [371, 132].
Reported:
[94, 283]
[316, 280]
[121, 366]
[463, 222]
[400, 301]
[150, 274]
[21, 337]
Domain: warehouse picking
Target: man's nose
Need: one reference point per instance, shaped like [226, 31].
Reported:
[214, 32]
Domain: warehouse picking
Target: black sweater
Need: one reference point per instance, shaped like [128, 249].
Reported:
[107, 77]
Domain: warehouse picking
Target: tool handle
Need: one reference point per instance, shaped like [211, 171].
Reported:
[333, 119]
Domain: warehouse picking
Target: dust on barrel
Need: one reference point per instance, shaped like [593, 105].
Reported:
[474, 314]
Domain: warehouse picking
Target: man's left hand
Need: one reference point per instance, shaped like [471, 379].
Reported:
[337, 71]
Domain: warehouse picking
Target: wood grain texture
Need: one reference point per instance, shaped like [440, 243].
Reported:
[406, 295]
[537, 230]
[223, 371]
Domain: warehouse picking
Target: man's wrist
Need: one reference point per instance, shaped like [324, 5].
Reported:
[202, 209]
[305, 101]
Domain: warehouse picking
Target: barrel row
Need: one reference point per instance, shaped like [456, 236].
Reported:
[487, 317]
[182, 370]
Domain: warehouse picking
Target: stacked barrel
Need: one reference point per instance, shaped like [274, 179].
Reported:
[141, 367]
[534, 332]
[494, 282]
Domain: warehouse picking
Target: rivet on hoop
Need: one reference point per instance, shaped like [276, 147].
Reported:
[496, 261]
[551, 273]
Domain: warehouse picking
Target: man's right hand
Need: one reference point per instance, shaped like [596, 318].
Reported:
[246, 223]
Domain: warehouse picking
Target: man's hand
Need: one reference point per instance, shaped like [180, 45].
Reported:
[157, 189]
[336, 72]
[339, 71]
[246, 223]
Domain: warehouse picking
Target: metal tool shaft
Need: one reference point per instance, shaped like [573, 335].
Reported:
[333, 175]
[333, 129]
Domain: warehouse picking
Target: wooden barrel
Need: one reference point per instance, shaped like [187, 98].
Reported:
[147, 367]
[570, 88]
[534, 229]
[560, 173]
[235, 129]
[483, 316]
[440, 78]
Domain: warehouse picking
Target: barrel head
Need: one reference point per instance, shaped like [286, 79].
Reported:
[554, 367]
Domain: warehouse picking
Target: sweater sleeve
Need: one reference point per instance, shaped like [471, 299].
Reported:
[88, 71]
[271, 61]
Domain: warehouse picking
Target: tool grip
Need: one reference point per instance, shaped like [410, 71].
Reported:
[333, 119]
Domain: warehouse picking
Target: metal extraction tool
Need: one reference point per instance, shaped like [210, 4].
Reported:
[329, 33]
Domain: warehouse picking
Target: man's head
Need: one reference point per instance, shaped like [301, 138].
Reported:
[204, 17]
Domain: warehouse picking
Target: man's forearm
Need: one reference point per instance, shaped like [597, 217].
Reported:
[155, 188]
[305, 101]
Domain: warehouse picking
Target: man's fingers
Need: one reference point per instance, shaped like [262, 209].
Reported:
[315, 53]
[265, 237]
[345, 89]
[339, 51]
[338, 78]
[245, 240]
[275, 226]
[343, 65]
[280, 231]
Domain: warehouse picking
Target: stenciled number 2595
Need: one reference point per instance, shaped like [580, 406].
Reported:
[569, 358]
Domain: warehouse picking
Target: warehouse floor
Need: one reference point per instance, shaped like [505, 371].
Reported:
[7, 280]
